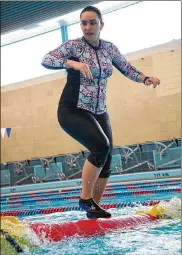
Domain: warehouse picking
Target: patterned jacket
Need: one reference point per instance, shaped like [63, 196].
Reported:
[83, 93]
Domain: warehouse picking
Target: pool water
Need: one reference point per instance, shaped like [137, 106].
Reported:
[161, 237]
[50, 204]
[59, 200]
[157, 238]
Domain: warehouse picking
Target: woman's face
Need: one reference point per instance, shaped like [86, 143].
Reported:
[91, 26]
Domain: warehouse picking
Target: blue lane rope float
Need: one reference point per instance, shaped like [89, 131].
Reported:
[117, 194]
[62, 193]
[109, 186]
[22, 213]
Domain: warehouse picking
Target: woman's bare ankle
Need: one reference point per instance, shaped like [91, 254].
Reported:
[85, 197]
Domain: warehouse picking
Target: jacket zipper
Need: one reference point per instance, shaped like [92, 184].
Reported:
[98, 83]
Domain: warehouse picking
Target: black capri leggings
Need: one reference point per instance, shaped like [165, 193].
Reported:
[93, 132]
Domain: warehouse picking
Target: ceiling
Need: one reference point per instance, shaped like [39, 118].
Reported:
[26, 14]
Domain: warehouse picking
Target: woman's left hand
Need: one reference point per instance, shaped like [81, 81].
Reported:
[152, 80]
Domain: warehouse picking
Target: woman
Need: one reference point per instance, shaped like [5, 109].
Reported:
[82, 109]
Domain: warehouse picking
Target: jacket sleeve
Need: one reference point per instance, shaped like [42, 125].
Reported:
[124, 66]
[57, 58]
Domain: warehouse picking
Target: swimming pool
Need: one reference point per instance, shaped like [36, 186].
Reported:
[160, 237]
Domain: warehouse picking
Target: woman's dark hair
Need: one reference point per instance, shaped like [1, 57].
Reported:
[92, 9]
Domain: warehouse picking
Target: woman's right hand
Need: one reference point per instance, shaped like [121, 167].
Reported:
[82, 67]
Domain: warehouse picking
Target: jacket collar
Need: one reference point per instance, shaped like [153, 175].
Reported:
[92, 46]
